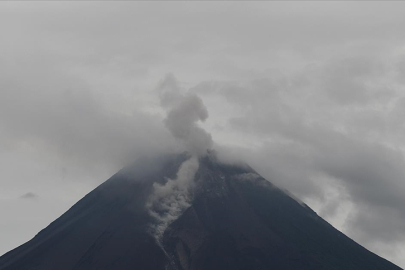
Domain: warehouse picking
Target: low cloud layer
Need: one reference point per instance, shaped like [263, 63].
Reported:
[331, 135]
[66, 117]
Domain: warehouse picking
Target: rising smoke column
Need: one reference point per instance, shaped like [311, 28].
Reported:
[183, 113]
[167, 202]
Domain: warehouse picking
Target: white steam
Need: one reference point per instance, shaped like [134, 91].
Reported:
[183, 113]
[169, 201]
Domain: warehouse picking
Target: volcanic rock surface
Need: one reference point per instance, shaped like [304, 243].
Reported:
[236, 220]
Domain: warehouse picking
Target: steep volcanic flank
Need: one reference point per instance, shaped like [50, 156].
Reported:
[235, 220]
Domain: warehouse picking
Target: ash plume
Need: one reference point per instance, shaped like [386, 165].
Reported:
[184, 111]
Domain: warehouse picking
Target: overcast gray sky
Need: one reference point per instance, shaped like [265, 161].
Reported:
[310, 94]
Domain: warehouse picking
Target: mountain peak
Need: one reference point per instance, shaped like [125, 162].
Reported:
[182, 212]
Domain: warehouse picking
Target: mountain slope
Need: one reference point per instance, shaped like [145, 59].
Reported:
[236, 220]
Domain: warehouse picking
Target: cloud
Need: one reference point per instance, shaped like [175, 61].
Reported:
[62, 115]
[309, 94]
[327, 133]
[29, 196]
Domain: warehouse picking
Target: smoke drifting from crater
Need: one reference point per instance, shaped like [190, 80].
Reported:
[184, 110]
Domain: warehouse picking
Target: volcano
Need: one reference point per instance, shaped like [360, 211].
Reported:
[233, 219]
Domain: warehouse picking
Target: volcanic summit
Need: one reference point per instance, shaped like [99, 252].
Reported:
[178, 212]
